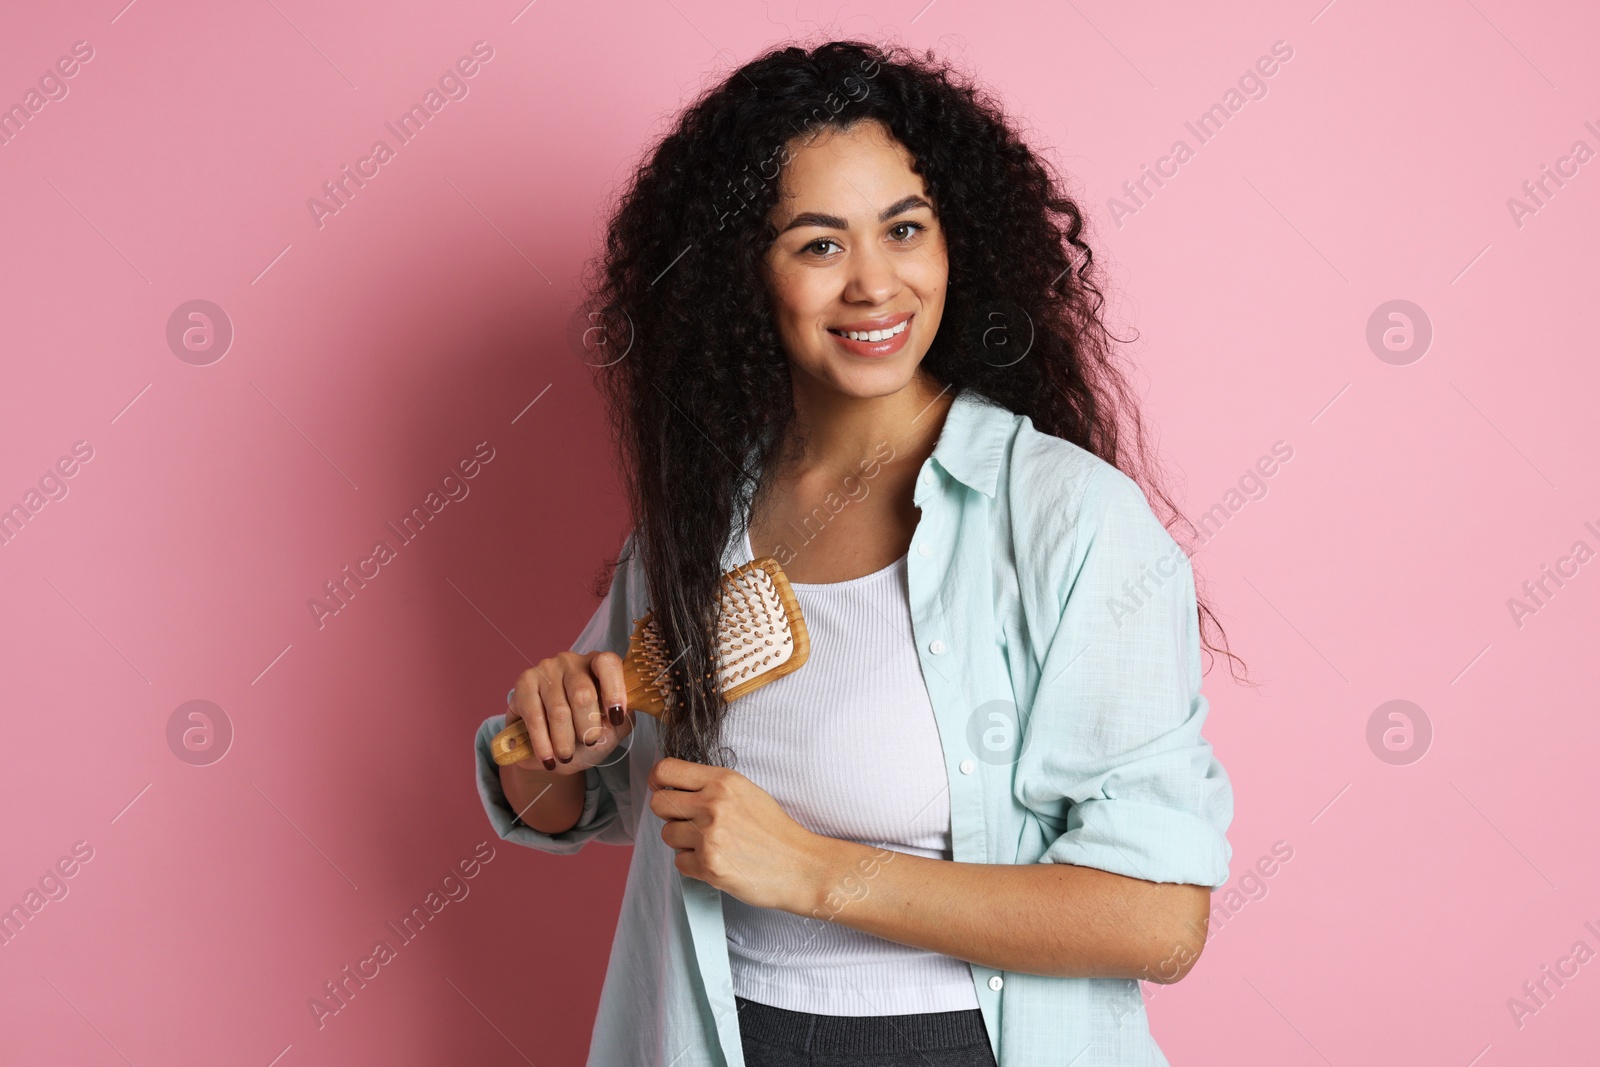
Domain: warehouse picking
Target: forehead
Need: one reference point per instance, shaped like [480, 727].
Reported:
[852, 173]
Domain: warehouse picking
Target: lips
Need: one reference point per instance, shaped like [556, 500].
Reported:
[882, 322]
[884, 346]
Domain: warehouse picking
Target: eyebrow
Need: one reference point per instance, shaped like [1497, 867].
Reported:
[834, 222]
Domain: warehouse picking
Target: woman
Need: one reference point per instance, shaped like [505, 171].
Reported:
[861, 336]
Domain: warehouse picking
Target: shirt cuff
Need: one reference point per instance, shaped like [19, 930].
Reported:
[1142, 840]
[599, 806]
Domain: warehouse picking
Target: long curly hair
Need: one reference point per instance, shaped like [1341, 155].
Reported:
[701, 399]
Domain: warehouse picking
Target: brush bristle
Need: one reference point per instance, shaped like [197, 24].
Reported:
[753, 634]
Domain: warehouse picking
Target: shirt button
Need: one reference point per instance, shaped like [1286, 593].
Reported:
[996, 982]
[927, 477]
[936, 647]
[924, 550]
[966, 766]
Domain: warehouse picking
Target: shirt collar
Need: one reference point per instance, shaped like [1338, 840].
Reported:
[973, 440]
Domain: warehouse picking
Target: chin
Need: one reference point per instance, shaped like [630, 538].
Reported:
[866, 381]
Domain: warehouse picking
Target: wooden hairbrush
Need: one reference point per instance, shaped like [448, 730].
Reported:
[760, 638]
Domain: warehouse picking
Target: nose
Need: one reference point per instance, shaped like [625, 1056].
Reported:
[874, 277]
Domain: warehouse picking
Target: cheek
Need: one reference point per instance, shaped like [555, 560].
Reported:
[797, 302]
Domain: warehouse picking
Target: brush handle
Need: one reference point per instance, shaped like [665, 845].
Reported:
[512, 745]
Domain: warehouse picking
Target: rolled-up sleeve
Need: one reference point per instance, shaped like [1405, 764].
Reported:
[608, 814]
[1115, 765]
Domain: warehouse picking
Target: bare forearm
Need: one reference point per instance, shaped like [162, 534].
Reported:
[1034, 918]
[549, 803]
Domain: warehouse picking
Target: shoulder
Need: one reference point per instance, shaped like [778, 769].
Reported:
[1062, 490]
[1067, 502]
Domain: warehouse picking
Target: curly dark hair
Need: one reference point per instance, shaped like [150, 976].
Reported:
[686, 245]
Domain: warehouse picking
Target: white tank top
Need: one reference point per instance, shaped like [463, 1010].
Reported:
[849, 747]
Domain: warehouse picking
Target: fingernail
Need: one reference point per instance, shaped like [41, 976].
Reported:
[564, 759]
[616, 714]
[591, 741]
[549, 764]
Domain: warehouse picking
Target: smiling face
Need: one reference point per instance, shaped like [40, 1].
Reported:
[858, 271]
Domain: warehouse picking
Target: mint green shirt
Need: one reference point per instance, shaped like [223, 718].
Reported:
[1055, 623]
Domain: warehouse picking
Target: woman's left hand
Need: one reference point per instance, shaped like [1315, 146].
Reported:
[731, 833]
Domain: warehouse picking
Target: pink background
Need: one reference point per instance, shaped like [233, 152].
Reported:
[373, 353]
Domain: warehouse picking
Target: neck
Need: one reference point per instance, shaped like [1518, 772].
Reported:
[834, 432]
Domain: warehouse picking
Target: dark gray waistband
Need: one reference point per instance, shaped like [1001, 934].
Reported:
[806, 1032]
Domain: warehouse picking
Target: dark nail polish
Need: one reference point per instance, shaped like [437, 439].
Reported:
[549, 764]
[564, 759]
[616, 714]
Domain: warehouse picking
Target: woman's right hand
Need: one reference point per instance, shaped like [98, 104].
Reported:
[564, 701]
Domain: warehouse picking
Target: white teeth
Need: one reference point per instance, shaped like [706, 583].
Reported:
[875, 335]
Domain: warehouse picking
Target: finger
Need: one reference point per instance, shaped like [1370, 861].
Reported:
[584, 700]
[607, 670]
[558, 714]
[671, 773]
[529, 707]
[680, 835]
[676, 808]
